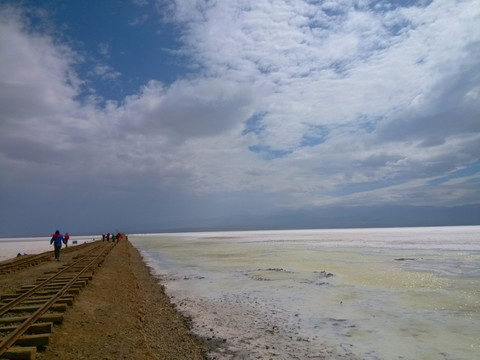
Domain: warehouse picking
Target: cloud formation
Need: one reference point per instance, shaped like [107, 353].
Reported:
[348, 94]
[306, 103]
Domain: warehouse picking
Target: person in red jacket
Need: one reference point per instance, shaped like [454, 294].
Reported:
[65, 239]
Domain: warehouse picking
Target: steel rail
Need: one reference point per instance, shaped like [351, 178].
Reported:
[7, 306]
[24, 261]
[10, 339]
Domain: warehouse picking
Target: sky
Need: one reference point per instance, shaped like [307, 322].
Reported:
[145, 115]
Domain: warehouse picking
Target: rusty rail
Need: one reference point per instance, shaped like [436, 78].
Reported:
[69, 276]
[22, 262]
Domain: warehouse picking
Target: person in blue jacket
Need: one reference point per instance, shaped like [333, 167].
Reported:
[56, 240]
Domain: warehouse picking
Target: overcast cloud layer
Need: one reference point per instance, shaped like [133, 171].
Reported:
[282, 104]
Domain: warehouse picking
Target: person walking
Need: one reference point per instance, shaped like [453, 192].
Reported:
[56, 240]
[65, 239]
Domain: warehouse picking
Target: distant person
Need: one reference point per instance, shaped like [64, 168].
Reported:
[56, 240]
[65, 239]
[108, 237]
[103, 237]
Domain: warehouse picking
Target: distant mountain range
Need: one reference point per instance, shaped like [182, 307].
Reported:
[334, 217]
[341, 217]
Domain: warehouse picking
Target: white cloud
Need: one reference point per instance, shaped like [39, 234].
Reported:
[104, 49]
[344, 69]
[346, 104]
[105, 72]
[311, 68]
[186, 109]
[37, 84]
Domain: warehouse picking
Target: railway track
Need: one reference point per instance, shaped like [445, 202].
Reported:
[25, 261]
[27, 317]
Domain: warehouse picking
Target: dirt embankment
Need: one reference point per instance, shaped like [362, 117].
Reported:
[123, 313]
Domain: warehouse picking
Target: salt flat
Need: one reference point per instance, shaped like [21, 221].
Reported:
[357, 293]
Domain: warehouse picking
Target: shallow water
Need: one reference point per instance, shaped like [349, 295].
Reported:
[409, 293]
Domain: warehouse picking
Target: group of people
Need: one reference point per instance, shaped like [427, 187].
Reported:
[57, 240]
[113, 237]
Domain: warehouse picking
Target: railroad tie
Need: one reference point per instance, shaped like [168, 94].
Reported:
[24, 317]
[21, 353]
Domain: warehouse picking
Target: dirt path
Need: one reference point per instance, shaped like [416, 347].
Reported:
[122, 313]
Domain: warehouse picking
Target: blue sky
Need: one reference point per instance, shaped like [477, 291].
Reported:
[161, 114]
